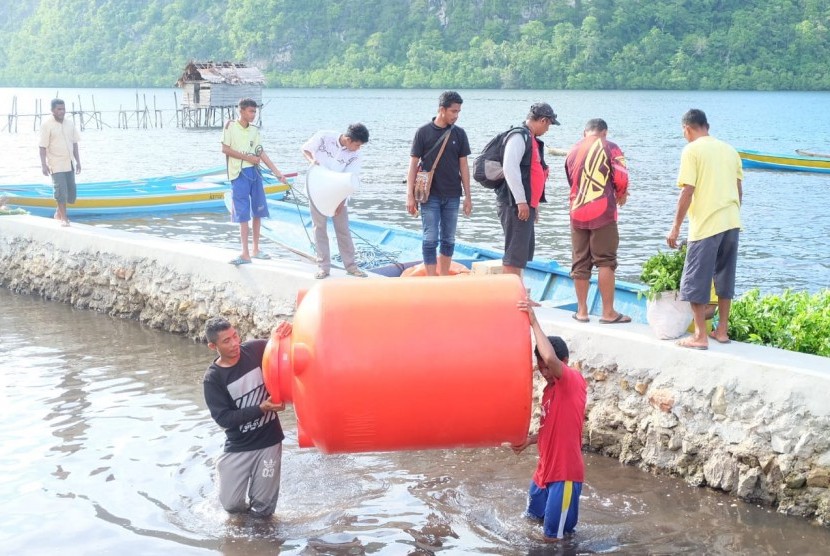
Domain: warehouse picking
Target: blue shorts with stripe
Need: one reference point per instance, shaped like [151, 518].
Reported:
[557, 505]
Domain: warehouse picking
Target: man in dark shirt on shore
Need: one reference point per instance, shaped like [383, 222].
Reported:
[439, 213]
[239, 403]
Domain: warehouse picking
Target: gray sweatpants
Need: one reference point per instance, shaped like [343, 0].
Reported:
[321, 238]
[258, 473]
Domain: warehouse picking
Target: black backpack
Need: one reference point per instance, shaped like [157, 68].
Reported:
[487, 168]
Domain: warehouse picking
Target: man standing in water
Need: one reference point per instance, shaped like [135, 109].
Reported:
[598, 177]
[710, 179]
[557, 482]
[239, 403]
[242, 146]
[525, 174]
[439, 213]
[58, 146]
[339, 152]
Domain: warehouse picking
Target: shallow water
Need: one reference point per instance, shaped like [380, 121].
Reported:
[108, 448]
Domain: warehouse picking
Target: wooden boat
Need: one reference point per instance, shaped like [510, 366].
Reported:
[766, 161]
[388, 251]
[803, 152]
[193, 191]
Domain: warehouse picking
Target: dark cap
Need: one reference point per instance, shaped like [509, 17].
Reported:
[543, 110]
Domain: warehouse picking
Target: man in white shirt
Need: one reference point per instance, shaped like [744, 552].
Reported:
[58, 146]
[338, 152]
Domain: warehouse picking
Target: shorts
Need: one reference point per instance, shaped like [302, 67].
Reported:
[65, 190]
[519, 235]
[593, 248]
[248, 196]
[557, 505]
[711, 257]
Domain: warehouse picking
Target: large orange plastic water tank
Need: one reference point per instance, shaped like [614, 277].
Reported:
[403, 364]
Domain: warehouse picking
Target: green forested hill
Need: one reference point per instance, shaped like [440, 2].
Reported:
[549, 44]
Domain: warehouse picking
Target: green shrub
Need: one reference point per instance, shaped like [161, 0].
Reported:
[797, 321]
[662, 272]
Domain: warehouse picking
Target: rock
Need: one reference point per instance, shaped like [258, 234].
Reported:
[641, 387]
[819, 477]
[781, 444]
[805, 446]
[747, 481]
[823, 509]
[599, 439]
[718, 403]
[721, 472]
[689, 447]
[796, 481]
[766, 462]
[675, 443]
[662, 399]
[630, 406]
[666, 420]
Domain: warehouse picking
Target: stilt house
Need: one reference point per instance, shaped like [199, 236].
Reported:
[212, 90]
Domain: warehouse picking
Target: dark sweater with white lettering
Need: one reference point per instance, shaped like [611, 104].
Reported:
[233, 395]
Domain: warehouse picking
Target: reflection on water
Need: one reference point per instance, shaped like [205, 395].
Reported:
[108, 448]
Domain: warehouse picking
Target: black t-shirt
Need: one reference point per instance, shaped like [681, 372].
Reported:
[233, 395]
[446, 182]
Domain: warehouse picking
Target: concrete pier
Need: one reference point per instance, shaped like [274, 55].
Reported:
[748, 420]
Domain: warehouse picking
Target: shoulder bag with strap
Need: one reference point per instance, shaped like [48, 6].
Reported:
[423, 178]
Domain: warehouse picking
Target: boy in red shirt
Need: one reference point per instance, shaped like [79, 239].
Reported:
[557, 483]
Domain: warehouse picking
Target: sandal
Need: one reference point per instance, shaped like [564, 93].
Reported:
[321, 274]
[239, 260]
[619, 319]
[687, 343]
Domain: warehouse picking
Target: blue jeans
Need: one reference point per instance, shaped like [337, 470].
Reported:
[439, 216]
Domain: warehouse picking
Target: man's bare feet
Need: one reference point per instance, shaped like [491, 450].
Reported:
[691, 343]
[721, 339]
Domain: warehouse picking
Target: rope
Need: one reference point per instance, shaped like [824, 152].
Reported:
[367, 254]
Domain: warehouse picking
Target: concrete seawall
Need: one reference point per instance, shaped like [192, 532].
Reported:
[748, 420]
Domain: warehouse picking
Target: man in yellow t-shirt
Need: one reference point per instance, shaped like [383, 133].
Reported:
[710, 179]
[58, 146]
[243, 148]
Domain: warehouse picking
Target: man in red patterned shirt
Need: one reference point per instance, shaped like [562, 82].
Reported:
[557, 482]
[598, 178]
